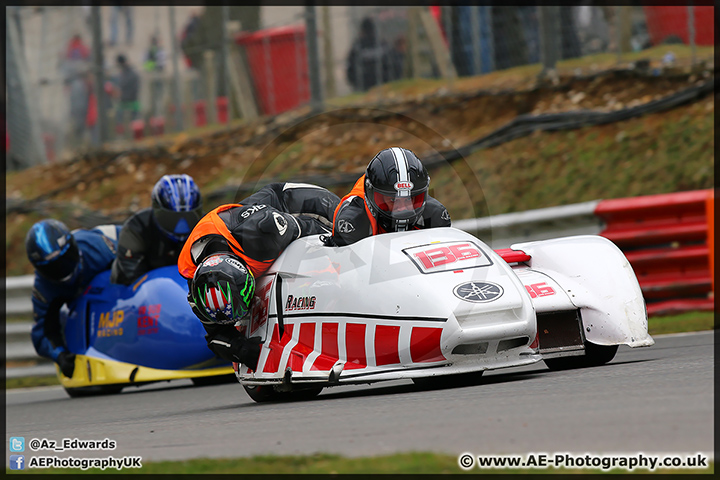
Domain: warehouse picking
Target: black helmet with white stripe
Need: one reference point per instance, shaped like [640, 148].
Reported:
[396, 185]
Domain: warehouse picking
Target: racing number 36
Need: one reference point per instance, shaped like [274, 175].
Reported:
[539, 290]
[444, 255]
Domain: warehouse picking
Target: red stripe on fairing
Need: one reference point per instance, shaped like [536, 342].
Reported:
[329, 346]
[272, 363]
[304, 347]
[386, 345]
[355, 346]
[425, 344]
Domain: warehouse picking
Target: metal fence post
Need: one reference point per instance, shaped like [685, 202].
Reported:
[549, 35]
[226, 61]
[99, 66]
[475, 35]
[618, 33]
[269, 76]
[328, 54]
[176, 73]
[313, 58]
[23, 112]
[691, 32]
[447, 13]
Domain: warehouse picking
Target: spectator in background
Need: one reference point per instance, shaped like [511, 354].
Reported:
[119, 9]
[76, 49]
[154, 63]
[368, 62]
[203, 33]
[186, 38]
[397, 58]
[127, 91]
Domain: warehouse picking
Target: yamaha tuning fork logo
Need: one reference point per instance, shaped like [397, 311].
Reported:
[478, 292]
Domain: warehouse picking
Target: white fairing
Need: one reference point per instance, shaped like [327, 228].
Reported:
[396, 305]
[594, 276]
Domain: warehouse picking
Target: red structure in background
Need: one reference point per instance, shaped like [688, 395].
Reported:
[666, 239]
[222, 109]
[662, 22]
[277, 58]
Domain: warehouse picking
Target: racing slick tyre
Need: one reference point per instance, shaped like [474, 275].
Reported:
[214, 380]
[266, 393]
[94, 390]
[449, 381]
[595, 355]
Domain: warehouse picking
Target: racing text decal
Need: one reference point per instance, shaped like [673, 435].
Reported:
[111, 326]
[299, 303]
[147, 321]
[441, 257]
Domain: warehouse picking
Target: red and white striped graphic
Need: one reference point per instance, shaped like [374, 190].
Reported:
[308, 347]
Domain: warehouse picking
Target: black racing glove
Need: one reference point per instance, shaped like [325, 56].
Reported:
[66, 362]
[236, 349]
[249, 351]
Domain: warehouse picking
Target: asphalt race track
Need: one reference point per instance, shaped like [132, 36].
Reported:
[656, 400]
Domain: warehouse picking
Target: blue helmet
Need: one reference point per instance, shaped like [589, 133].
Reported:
[52, 250]
[176, 205]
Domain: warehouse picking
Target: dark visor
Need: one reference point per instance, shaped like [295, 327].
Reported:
[62, 267]
[177, 223]
[390, 203]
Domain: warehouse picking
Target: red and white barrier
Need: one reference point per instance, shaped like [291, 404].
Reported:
[666, 239]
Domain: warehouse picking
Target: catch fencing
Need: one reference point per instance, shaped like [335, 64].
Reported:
[54, 99]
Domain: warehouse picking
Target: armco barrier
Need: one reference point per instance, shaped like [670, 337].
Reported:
[665, 239]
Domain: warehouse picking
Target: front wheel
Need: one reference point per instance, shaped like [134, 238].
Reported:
[595, 355]
[214, 380]
[266, 393]
[449, 381]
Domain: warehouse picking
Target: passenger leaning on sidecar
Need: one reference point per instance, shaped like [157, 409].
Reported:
[153, 237]
[234, 244]
[65, 262]
[390, 197]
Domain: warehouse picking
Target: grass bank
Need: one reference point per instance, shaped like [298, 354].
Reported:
[404, 463]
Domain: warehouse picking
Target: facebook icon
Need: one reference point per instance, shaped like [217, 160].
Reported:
[17, 462]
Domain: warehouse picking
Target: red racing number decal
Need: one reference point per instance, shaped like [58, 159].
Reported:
[539, 290]
[447, 256]
[444, 255]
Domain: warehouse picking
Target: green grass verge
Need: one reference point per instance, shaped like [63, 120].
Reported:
[684, 322]
[408, 463]
[26, 382]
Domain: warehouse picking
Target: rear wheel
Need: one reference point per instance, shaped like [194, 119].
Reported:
[266, 393]
[449, 381]
[595, 355]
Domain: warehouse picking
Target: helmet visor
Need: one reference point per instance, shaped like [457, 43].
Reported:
[399, 207]
[219, 306]
[178, 224]
[63, 267]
